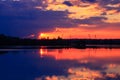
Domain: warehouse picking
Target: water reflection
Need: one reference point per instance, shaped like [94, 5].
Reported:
[60, 64]
[88, 64]
[75, 54]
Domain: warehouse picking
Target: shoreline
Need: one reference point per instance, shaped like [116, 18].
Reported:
[60, 47]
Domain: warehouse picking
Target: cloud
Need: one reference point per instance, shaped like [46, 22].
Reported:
[114, 5]
[91, 1]
[68, 3]
[77, 12]
[85, 12]
[86, 9]
[113, 18]
[32, 17]
[31, 21]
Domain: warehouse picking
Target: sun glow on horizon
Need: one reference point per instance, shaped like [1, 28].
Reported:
[46, 36]
[43, 36]
[78, 32]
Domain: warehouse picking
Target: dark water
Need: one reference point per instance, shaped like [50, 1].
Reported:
[60, 64]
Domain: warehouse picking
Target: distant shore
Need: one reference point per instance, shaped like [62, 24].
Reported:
[60, 47]
[13, 42]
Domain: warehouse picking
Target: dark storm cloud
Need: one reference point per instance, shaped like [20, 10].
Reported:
[68, 3]
[95, 21]
[25, 20]
[108, 1]
[32, 22]
[91, 21]
[91, 1]
[104, 3]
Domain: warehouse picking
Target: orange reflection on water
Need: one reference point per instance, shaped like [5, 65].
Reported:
[75, 54]
[42, 52]
[105, 60]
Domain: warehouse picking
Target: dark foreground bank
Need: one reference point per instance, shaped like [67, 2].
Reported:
[58, 43]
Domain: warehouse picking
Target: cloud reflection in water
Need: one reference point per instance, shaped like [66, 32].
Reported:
[87, 64]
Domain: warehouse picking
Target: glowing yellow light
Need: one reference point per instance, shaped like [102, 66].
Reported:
[42, 36]
[42, 51]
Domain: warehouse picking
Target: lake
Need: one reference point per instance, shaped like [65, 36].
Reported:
[60, 64]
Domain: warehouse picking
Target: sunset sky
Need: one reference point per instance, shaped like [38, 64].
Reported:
[64, 18]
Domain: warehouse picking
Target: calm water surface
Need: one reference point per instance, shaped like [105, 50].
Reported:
[60, 64]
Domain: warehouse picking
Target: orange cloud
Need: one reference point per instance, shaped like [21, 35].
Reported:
[82, 10]
[57, 7]
[78, 12]
[85, 12]
[114, 5]
[111, 12]
[112, 17]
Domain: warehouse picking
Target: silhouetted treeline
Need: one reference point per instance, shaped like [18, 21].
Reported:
[8, 41]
